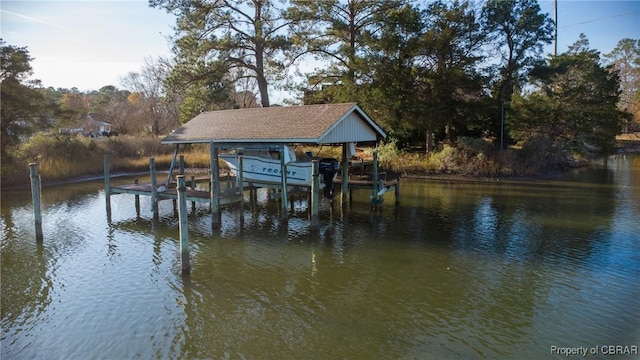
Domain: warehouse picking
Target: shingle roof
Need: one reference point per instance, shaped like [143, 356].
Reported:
[294, 124]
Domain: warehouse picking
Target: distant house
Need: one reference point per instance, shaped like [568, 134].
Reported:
[92, 125]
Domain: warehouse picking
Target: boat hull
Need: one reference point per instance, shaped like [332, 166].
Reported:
[256, 169]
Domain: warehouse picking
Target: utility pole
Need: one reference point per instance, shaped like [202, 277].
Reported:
[555, 36]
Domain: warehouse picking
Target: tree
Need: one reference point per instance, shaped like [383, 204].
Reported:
[520, 32]
[625, 59]
[425, 66]
[338, 33]
[453, 41]
[575, 104]
[22, 106]
[396, 93]
[229, 35]
[148, 85]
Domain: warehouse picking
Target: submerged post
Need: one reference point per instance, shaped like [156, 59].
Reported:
[154, 188]
[107, 185]
[315, 194]
[35, 196]
[215, 186]
[184, 226]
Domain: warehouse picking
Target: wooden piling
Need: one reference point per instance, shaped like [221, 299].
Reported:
[36, 188]
[193, 187]
[345, 175]
[315, 194]
[375, 198]
[241, 187]
[181, 165]
[137, 200]
[184, 226]
[154, 188]
[284, 216]
[215, 186]
[107, 185]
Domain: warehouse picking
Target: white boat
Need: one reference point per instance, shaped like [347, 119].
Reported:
[262, 166]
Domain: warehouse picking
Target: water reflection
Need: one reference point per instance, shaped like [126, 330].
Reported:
[458, 270]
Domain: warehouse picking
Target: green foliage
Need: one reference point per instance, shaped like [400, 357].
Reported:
[341, 34]
[23, 108]
[472, 145]
[574, 105]
[389, 150]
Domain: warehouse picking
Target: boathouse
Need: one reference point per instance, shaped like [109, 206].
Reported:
[272, 128]
[341, 124]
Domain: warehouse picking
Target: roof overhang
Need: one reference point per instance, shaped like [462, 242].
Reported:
[309, 124]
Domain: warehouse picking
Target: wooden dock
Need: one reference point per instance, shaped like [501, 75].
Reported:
[225, 198]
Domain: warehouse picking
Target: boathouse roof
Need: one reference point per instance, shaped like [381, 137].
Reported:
[310, 124]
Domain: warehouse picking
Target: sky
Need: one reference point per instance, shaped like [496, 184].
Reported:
[89, 44]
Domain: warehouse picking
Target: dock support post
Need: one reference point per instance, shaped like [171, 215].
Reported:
[107, 186]
[36, 197]
[315, 193]
[184, 226]
[345, 175]
[215, 186]
[154, 188]
[374, 174]
[181, 165]
[284, 216]
[193, 187]
[241, 187]
[137, 200]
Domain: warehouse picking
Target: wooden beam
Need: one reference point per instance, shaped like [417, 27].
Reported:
[154, 188]
[345, 175]
[184, 226]
[172, 166]
[283, 178]
[215, 186]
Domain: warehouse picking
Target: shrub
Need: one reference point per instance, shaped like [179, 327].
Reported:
[472, 144]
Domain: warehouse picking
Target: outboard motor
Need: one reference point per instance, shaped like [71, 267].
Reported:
[328, 167]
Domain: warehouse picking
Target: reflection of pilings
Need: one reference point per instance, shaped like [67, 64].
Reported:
[35, 196]
[184, 227]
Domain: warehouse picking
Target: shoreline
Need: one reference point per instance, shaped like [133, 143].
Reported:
[551, 175]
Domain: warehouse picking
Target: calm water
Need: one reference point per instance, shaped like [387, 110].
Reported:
[459, 270]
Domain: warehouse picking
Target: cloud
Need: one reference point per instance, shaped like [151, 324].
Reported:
[34, 19]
